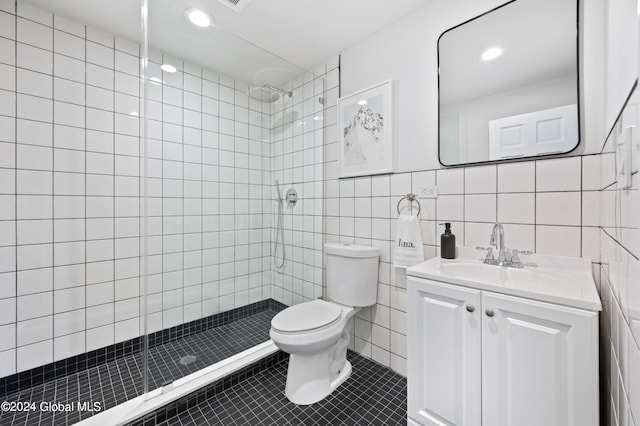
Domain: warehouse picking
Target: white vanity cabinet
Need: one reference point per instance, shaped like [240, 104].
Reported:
[478, 357]
[444, 363]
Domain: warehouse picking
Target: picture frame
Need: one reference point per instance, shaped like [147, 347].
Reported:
[365, 131]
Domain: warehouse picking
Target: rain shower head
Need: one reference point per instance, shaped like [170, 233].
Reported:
[268, 93]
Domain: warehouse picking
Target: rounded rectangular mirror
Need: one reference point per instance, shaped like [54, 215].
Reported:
[508, 83]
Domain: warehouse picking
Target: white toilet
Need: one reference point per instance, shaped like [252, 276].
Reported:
[315, 333]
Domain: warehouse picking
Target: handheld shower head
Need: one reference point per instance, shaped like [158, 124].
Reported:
[278, 188]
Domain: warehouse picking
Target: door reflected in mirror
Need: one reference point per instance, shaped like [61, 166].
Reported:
[508, 83]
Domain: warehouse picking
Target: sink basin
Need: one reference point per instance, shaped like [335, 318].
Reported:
[477, 269]
[535, 277]
[555, 279]
[532, 276]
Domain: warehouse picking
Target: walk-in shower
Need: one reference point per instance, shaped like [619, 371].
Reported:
[137, 255]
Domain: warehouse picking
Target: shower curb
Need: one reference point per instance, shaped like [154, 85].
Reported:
[180, 393]
[186, 402]
[39, 375]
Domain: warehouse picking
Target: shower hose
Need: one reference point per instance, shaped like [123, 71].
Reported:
[279, 233]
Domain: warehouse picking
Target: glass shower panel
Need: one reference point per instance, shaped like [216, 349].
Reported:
[211, 143]
[298, 131]
[221, 121]
[71, 70]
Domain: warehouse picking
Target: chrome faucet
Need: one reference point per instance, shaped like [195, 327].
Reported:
[497, 240]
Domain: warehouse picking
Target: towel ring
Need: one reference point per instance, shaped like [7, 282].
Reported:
[411, 199]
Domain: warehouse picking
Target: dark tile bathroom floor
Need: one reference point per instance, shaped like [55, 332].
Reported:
[373, 395]
[117, 381]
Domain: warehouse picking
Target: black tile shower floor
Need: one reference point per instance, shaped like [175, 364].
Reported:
[373, 395]
[117, 381]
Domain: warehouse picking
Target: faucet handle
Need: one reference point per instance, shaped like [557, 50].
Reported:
[516, 252]
[489, 258]
[515, 259]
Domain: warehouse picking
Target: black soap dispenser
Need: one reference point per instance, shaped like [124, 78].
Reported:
[447, 243]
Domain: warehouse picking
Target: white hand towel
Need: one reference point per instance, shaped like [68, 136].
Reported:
[408, 249]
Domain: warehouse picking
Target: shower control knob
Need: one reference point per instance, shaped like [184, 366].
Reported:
[291, 197]
[470, 308]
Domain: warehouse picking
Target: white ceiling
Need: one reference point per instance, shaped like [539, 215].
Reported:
[297, 35]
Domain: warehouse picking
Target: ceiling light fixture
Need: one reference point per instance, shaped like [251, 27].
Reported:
[362, 102]
[168, 68]
[198, 17]
[491, 53]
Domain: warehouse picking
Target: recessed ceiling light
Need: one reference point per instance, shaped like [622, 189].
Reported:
[362, 102]
[168, 68]
[491, 53]
[198, 17]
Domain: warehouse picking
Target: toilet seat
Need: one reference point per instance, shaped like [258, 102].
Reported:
[308, 316]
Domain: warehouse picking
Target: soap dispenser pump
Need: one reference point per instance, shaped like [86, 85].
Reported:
[447, 243]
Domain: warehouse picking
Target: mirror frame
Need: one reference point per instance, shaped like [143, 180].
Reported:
[578, 103]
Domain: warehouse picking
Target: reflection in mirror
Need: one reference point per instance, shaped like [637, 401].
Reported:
[508, 83]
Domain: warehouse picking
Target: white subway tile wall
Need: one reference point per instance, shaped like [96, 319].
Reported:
[298, 128]
[70, 191]
[541, 202]
[618, 273]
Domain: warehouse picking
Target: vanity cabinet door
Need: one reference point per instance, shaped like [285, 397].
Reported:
[539, 363]
[444, 354]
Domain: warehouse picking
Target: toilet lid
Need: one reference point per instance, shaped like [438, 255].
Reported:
[306, 316]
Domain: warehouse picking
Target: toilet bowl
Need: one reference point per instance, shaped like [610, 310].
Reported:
[316, 336]
[316, 333]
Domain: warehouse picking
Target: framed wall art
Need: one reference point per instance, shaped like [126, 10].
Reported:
[365, 137]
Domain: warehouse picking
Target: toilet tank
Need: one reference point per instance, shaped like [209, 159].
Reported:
[352, 274]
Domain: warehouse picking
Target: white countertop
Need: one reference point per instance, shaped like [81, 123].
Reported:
[561, 280]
